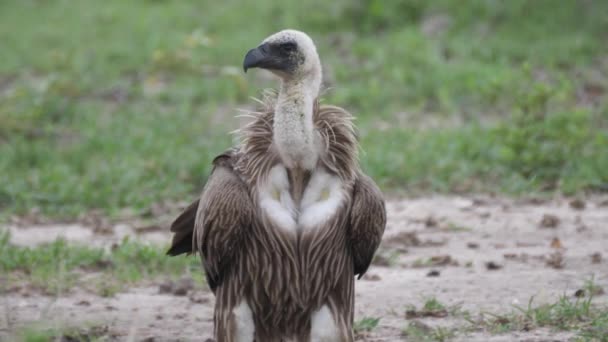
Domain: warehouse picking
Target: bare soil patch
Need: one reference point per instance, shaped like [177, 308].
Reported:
[474, 255]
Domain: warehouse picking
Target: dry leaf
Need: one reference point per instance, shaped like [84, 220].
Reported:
[556, 243]
[549, 221]
[577, 204]
[556, 260]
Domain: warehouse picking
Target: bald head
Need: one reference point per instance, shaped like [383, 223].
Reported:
[290, 54]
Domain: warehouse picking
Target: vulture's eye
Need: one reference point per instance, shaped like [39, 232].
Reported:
[288, 47]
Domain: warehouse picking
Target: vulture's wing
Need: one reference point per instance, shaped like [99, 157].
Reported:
[215, 226]
[183, 229]
[367, 222]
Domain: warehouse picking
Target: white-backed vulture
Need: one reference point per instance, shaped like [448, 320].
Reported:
[287, 219]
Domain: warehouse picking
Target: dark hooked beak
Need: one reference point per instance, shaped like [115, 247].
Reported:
[258, 58]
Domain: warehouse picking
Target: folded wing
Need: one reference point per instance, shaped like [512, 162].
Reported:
[216, 224]
[367, 222]
[183, 230]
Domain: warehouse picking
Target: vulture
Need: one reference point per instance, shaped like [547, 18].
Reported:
[287, 219]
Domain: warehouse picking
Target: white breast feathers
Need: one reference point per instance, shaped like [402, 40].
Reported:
[276, 201]
[321, 199]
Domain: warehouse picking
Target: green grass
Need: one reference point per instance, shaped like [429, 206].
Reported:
[581, 315]
[418, 332]
[432, 304]
[59, 266]
[432, 307]
[120, 104]
[42, 334]
[366, 324]
[587, 319]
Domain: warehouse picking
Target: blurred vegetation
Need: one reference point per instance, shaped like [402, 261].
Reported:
[119, 104]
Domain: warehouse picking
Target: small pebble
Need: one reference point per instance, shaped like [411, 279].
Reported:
[596, 258]
[492, 266]
[472, 245]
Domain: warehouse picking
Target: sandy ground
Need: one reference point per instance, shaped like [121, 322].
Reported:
[433, 247]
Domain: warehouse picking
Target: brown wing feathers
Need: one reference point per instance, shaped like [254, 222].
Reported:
[367, 222]
[183, 228]
[214, 225]
[224, 216]
[183, 225]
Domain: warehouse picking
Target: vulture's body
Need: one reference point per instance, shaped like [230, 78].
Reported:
[287, 218]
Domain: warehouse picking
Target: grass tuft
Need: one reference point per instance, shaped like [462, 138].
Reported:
[432, 304]
[366, 324]
[89, 334]
[580, 315]
[58, 266]
[420, 332]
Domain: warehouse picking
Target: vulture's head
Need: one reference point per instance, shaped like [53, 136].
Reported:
[290, 54]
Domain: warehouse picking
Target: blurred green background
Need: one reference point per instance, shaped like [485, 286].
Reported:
[123, 104]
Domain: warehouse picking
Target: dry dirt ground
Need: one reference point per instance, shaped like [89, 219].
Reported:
[473, 254]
